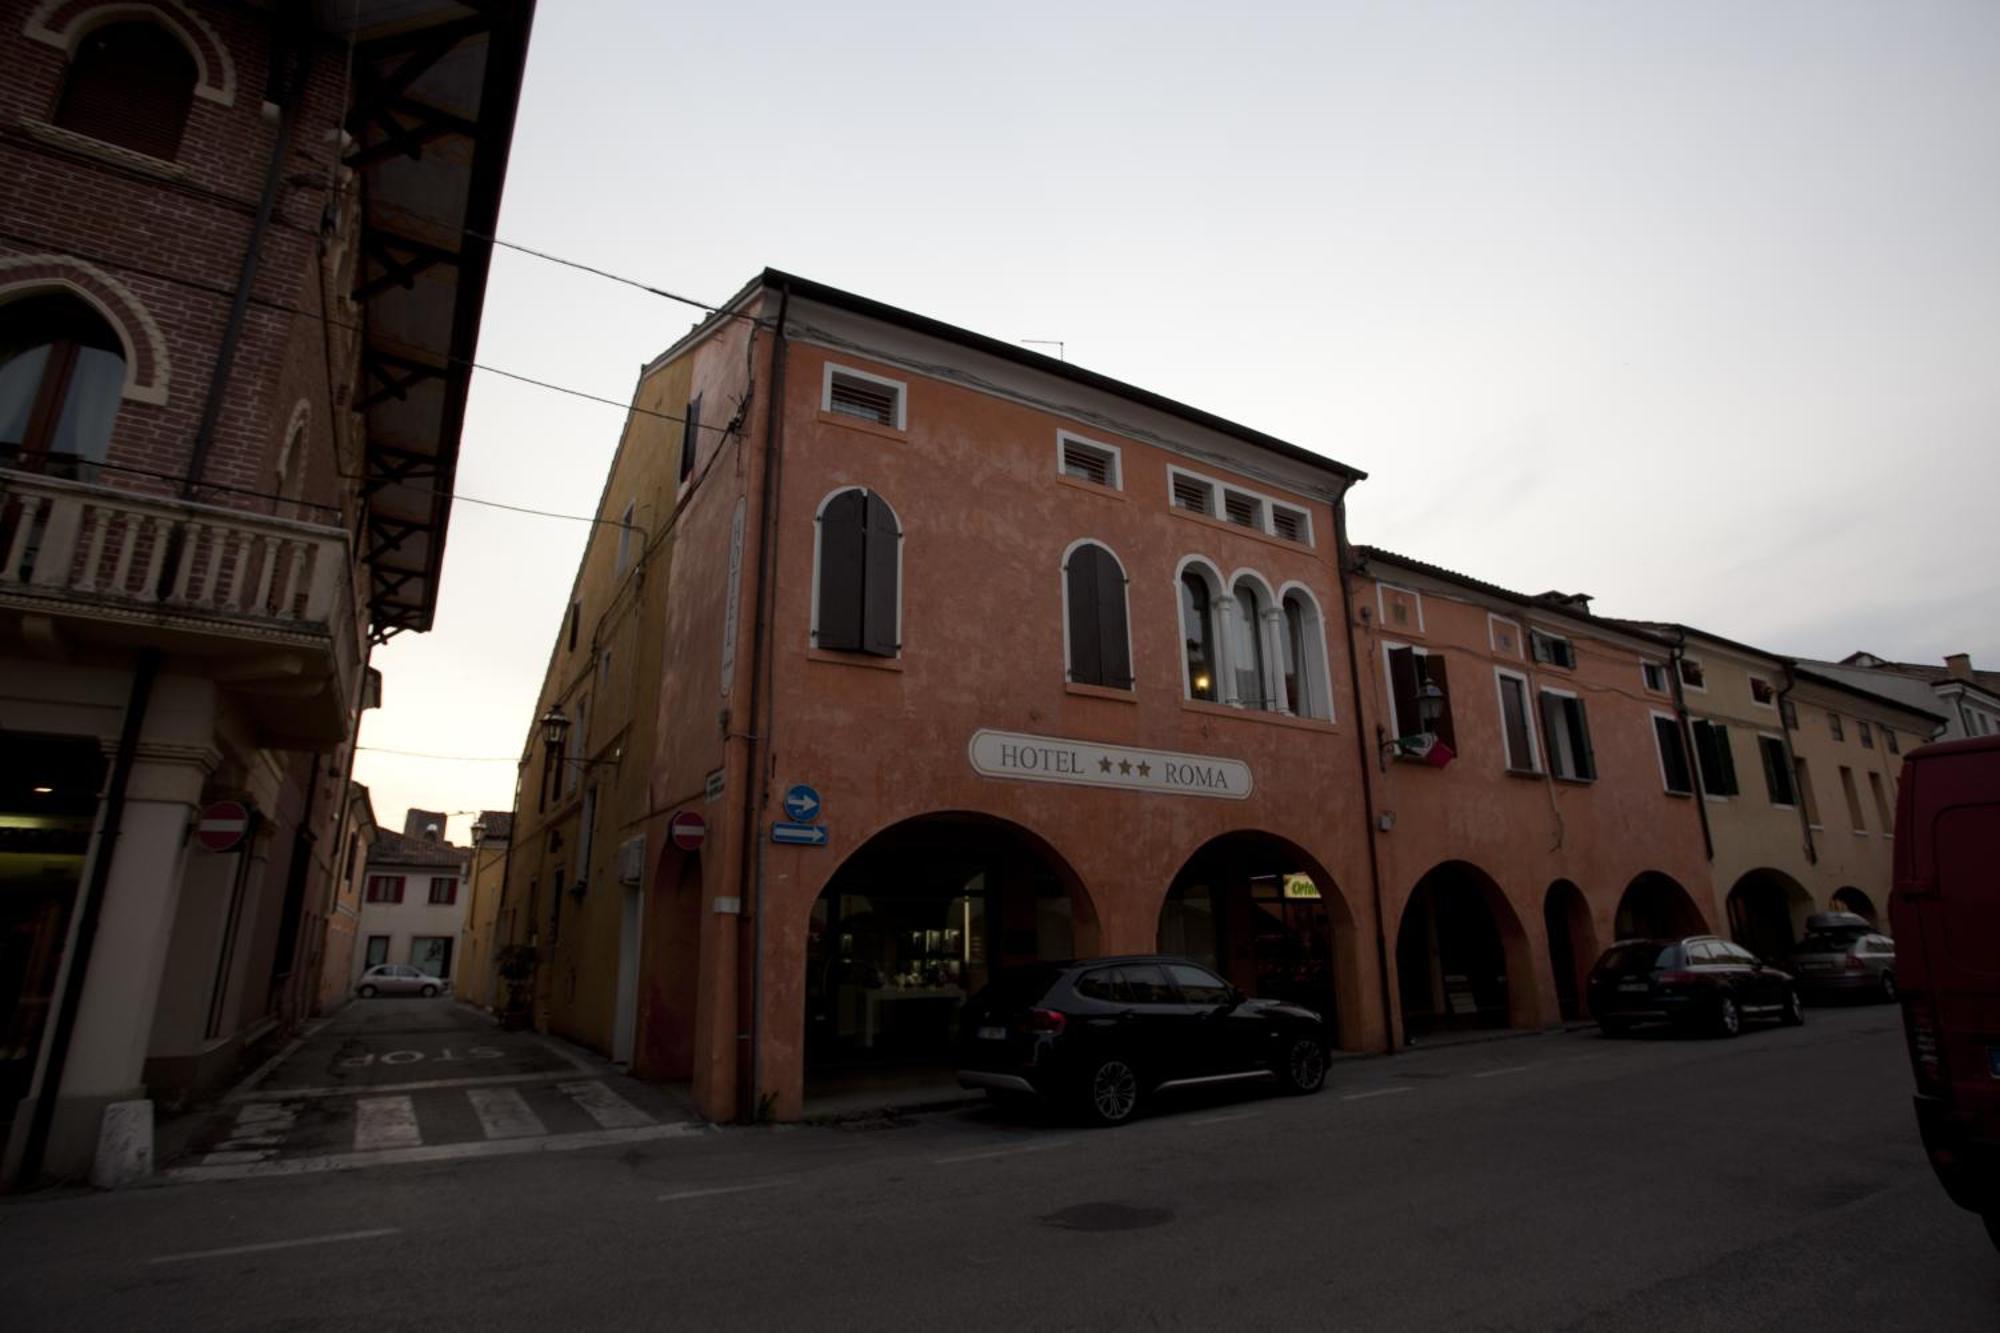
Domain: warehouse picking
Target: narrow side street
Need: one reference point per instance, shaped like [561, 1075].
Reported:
[1545, 1182]
[388, 1081]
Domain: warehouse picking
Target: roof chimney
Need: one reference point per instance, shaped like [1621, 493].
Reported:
[1959, 665]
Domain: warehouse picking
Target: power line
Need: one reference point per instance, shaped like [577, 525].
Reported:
[602, 273]
[454, 758]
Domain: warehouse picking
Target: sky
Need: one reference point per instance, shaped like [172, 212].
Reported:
[1694, 307]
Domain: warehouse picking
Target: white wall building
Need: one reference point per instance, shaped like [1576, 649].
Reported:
[1969, 698]
[414, 901]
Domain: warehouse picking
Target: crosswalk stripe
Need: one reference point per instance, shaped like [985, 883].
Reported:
[385, 1122]
[504, 1113]
[604, 1106]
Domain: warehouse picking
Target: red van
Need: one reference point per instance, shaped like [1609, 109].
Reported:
[1945, 911]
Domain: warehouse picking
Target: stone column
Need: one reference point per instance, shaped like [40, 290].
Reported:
[1222, 611]
[1273, 630]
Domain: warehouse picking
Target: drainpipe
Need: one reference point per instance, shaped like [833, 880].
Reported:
[1367, 781]
[1798, 792]
[144, 671]
[756, 786]
[291, 52]
[1687, 738]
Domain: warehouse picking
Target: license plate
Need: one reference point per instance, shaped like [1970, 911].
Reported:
[992, 1034]
[1634, 987]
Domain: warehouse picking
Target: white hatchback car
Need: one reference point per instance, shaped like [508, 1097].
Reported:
[397, 979]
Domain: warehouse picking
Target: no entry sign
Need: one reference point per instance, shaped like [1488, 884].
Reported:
[222, 825]
[687, 829]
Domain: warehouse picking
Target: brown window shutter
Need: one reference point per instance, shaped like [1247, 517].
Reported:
[881, 579]
[1520, 754]
[130, 84]
[1586, 757]
[1673, 755]
[1403, 690]
[842, 542]
[1550, 707]
[1434, 672]
[1113, 652]
[1086, 659]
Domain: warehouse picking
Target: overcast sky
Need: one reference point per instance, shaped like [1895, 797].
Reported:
[1693, 307]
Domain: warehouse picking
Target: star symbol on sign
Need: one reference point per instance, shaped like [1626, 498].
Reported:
[1125, 766]
[1145, 769]
[1104, 765]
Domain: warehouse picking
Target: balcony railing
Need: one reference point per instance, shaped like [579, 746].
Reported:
[213, 580]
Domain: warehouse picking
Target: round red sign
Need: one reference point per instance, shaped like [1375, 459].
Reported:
[222, 825]
[687, 829]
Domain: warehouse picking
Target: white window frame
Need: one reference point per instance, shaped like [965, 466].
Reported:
[1528, 706]
[1389, 683]
[1272, 686]
[1791, 775]
[1219, 650]
[812, 619]
[1694, 761]
[1260, 510]
[902, 388]
[1065, 438]
[1545, 632]
[1493, 619]
[1666, 690]
[1305, 523]
[1687, 754]
[1325, 668]
[1675, 673]
[1382, 607]
[1125, 580]
[1751, 683]
[1560, 694]
[1218, 488]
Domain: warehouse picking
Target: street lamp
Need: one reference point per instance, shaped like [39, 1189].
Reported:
[555, 725]
[478, 831]
[1430, 705]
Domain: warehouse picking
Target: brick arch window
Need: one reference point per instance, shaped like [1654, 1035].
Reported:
[857, 575]
[62, 375]
[1096, 626]
[130, 83]
[1201, 645]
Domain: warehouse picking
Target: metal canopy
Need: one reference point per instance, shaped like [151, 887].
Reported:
[436, 84]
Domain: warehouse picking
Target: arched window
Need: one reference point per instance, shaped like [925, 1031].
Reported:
[1252, 680]
[1307, 693]
[857, 607]
[130, 84]
[1100, 650]
[1198, 633]
[62, 371]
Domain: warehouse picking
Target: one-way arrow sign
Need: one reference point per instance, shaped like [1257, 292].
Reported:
[801, 803]
[799, 835]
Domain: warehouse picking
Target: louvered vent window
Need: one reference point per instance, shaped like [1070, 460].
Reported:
[852, 396]
[1194, 496]
[1289, 524]
[130, 84]
[1243, 510]
[1087, 462]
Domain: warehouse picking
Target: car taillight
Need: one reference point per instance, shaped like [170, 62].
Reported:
[1676, 977]
[1926, 1053]
[1046, 1020]
[1854, 963]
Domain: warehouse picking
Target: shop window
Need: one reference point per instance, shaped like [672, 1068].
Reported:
[1410, 669]
[1673, 756]
[1777, 771]
[1307, 693]
[1566, 722]
[857, 607]
[62, 375]
[1517, 726]
[431, 955]
[1098, 639]
[1718, 765]
[1551, 649]
[1198, 636]
[130, 84]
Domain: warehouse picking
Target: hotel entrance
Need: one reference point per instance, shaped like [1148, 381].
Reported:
[913, 923]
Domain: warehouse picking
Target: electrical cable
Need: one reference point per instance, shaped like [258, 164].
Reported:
[455, 758]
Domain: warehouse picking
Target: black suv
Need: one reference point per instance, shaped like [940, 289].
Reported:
[1101, 1036]
[1700, 981]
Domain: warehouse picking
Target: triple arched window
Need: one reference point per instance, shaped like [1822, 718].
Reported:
[62, 375]
[858, 581]
[1095, 625]
[1248, 647]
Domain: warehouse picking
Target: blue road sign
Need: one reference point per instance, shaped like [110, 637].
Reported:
[799, 835]
[801, 803]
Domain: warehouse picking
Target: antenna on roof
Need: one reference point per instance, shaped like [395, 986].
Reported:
[1062, 352]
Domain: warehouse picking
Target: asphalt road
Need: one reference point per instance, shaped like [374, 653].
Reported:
[1547, 1182]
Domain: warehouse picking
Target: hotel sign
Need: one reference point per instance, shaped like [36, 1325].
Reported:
[1006, 754]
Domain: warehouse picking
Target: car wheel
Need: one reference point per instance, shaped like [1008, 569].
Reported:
[366, 992]
[1794, 1014]
[1888, 987]
[429, 991]
[1111, 1091]
[1304, 1069]
[1728, 1017]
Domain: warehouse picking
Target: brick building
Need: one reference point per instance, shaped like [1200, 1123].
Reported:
[240, 285]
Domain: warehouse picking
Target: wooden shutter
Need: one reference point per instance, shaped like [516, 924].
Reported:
[1086, 654]
[1433, 671]
[881, 597]
[1673, 755]
[1403, 690]
[842, 543]
[1114, 652]
[1777, 773]
[1514, 719]
[130, 84]
[1550, 707]
[1586, 758]
[1726, 759]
